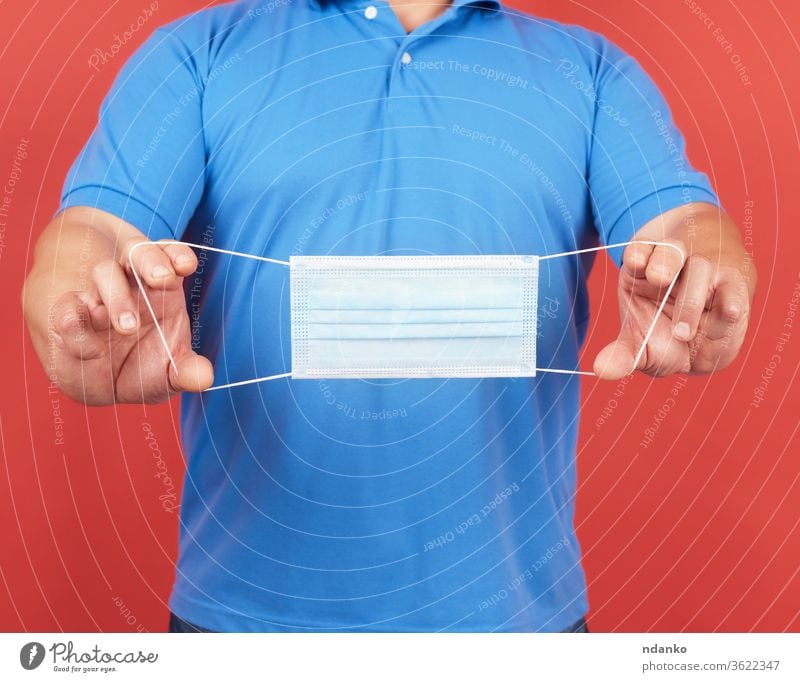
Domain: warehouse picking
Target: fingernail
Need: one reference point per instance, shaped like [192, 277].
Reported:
[682, 330]
[127, 321]
[183, 260]
[160, 272]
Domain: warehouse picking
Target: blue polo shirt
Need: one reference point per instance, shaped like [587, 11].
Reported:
[303, 127]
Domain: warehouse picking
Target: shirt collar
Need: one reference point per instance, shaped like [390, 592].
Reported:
[486, 4]
[489, 4]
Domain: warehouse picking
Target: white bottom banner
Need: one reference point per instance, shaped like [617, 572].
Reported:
[401, 657]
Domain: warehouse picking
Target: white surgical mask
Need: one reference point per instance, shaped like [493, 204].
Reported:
[413, 316]
[362, 317]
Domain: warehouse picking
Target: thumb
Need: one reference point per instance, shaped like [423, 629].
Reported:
[616, 360]
[194, 373]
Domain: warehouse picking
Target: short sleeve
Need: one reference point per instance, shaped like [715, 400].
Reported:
[638, 167]
[145, 160]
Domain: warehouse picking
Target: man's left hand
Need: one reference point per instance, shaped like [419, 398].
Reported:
[703, 324]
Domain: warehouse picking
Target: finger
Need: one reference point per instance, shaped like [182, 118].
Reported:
[717, 343]
[97, 309]
[635, 258]
[98, 314]
[151, 262]
[693, 291]
[115, 292]
[182, 257]
[194, 373]
[73, 330]
[616, 360]
[730, 307]
[665, 263]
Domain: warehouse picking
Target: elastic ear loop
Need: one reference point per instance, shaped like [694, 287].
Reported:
[658, 312]
[286, 263]
[203, 247]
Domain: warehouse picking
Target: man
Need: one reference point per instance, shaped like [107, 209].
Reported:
[334, 127]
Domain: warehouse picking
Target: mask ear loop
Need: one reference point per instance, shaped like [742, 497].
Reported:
[658, 312]
[160, 331]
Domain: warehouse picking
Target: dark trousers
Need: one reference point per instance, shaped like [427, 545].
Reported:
[177, 624]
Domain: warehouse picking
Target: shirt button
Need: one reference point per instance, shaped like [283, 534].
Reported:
[371, 12]
[406, 58]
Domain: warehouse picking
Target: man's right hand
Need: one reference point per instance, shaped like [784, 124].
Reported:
[89, 322]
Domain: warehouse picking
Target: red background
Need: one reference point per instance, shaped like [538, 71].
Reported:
[697, 532]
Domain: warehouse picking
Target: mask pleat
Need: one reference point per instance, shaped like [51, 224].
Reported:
[447, 291]
[418, 330]
[412, 316]
[369, 353]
